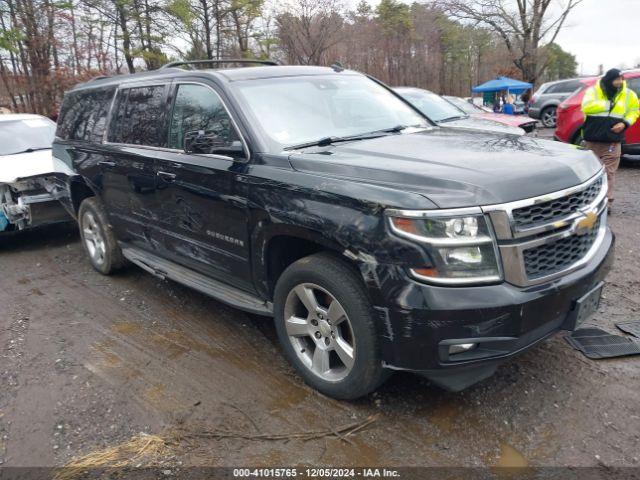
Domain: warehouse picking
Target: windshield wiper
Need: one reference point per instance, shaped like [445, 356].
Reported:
[399, 128]
[29, 150]
[323, 142]
[455, 117]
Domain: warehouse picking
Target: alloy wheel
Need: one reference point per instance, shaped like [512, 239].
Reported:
[93, 238]
[549, 117]
[320, 331]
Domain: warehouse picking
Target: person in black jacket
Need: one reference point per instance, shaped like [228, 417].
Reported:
[610, 108]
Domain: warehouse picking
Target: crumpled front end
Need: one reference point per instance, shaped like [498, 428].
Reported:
[32, 202]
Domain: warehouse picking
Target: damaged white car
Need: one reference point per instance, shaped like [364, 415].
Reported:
[31, 180]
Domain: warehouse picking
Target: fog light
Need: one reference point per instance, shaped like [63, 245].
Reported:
[461, 347]
[469, 255]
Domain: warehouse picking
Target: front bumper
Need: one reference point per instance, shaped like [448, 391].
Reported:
[30, 203]
[529, 127]
[417, 321]
[534, 112]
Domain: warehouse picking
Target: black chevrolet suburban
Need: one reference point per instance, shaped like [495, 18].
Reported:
[377, 240]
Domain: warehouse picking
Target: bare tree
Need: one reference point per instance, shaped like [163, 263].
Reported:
[523, 25]
[308, 29]
[47, 46]
[243, 15]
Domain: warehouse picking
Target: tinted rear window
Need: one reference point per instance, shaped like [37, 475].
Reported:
[84, 114]
[138, 117]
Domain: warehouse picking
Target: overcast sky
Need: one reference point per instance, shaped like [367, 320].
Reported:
[603, 32]
[597, 32]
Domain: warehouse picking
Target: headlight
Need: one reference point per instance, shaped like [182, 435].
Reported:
[461, 245]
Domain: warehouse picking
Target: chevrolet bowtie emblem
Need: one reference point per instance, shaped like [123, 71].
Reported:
[585, 225]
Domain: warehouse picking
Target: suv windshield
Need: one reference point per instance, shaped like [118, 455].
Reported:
[462, 104]
[291, 111]
[25, 135]
[433, 106]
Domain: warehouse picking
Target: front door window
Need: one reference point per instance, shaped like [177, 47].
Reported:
[200, 123]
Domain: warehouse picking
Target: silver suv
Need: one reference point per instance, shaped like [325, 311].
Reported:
[545, 101]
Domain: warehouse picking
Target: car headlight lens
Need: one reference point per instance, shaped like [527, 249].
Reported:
[462, 247]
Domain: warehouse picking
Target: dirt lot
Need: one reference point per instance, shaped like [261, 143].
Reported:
[88, 362]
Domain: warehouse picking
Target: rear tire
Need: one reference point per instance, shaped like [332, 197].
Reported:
[548, 117]
[325, 324]
[98, 239]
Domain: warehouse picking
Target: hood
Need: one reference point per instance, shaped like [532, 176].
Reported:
[513, 120]
[29, 164]
[483, 124]
[453, 169]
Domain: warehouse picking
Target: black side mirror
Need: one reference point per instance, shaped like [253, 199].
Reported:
[199, 141]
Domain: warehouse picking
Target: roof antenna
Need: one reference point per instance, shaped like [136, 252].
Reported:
[337, 67]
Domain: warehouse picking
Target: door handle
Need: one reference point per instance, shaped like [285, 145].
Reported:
[166, 176]
[105, 163]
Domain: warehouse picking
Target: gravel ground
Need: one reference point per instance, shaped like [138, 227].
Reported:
[88, 362]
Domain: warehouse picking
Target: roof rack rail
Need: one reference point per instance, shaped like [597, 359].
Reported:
[99, 77]
[219, 61]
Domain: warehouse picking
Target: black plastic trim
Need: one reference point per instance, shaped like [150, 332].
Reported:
[163, 268]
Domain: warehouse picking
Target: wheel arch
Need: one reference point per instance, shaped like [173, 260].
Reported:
[280, 245]
[79, 190]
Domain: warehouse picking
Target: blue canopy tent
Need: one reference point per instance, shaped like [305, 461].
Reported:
[501, 84]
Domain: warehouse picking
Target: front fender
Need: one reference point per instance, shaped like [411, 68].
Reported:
[355, 230]
[265, 232]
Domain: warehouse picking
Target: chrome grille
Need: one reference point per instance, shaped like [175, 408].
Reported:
[554, 257]
[550, 211]
[540, 238]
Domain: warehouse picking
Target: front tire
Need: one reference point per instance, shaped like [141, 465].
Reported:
[324, 323]
[98, 239]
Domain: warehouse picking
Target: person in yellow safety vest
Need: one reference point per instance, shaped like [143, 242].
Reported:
[610, 108]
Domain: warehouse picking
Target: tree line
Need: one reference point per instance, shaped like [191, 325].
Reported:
[47, 46]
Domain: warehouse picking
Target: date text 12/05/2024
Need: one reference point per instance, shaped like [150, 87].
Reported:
[316, 473]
